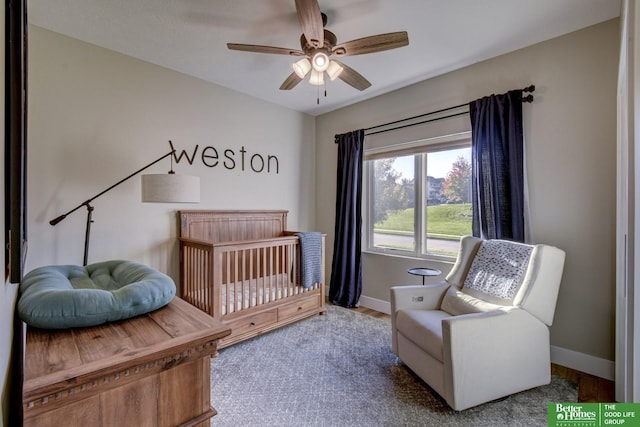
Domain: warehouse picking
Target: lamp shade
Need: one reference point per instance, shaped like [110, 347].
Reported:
[334, 70]
[320, 61]
[170, 188]
[316, 78]
[302, 67]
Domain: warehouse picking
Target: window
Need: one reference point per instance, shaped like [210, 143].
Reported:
[419, 197]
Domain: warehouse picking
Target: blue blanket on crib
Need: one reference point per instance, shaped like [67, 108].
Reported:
[310, 258]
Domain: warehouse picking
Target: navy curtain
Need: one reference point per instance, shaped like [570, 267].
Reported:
[497, 167]
[346, 268]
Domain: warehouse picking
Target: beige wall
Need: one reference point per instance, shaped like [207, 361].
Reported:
[7, 300]
[570, 133]
[95, 116]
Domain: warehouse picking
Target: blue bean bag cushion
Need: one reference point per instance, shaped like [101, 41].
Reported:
[69, 296]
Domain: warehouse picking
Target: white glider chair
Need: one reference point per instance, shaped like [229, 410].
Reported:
[483, 332]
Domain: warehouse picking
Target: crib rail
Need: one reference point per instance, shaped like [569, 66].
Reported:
[226, 278]
[196, 274]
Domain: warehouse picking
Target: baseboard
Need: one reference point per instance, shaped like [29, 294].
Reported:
[582, 362]
[375, 304]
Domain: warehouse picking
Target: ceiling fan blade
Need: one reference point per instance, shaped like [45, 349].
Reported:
[265, 49]
[352, 77]
[311, 21]
[372, 44]
[291, 82]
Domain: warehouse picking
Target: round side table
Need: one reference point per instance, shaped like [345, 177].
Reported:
[424, 271]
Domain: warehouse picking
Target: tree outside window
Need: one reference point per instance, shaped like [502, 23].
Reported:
[421, 203]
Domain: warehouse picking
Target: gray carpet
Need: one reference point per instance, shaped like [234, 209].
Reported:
[339, 370]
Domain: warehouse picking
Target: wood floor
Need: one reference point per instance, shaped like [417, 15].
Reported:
[590, 388]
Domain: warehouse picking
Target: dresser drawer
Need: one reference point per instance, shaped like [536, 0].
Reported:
[300, 306]
[253, 322]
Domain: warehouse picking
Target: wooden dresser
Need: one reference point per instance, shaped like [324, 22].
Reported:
[152, 370]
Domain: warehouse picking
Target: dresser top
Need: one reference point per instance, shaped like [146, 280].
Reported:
[59, 359]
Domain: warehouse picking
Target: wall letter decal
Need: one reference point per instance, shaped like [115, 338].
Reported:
[206, 156]
[210, 157]
[227, 154]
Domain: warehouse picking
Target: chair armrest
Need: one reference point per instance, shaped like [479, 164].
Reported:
[493, 354]
[417, 297]
[414, 297]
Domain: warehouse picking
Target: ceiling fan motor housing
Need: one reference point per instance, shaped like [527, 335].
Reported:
[330, 40]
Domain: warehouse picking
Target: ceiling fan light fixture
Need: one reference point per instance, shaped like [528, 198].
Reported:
[320, 61]
[316, 78]
[333, 70]
[302, 67]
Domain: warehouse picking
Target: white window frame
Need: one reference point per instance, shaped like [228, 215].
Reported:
[447, 142]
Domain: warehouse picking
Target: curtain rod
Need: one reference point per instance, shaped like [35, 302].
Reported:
[528, 98]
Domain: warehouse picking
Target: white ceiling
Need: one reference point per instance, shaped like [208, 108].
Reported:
[190, 36]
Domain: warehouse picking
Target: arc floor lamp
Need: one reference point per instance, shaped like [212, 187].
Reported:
[160, 188]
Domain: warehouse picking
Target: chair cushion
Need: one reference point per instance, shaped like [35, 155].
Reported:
[67, 296]
[457, 303]
[497, 271]
[424, 328]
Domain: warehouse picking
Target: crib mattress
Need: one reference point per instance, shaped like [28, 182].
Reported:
[239, 296]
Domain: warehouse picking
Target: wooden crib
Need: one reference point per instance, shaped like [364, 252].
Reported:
[243, 268]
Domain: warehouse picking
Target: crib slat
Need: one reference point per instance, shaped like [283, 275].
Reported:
[228, 284]
[270, 273]
[263, 274]
[293, 250]
[249, 296]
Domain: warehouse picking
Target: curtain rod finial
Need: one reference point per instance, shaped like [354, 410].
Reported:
[530, 88]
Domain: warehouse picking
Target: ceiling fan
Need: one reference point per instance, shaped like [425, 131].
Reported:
[317, 45]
